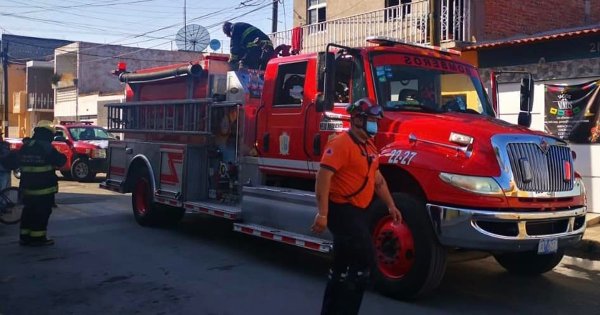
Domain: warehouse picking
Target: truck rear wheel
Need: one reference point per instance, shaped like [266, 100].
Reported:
[409, 261]
[529, 263]
[145, 211]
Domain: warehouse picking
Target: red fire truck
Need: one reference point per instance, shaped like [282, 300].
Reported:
[83, 143]
[246, 146]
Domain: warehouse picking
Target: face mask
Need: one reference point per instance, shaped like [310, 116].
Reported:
[371, 128]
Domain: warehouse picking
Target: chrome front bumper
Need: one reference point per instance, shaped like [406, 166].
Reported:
[505, 231]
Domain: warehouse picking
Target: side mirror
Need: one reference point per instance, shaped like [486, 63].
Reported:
[60, 139]
[118, 137]
[325, 81]
[525, 119]
[526, 94]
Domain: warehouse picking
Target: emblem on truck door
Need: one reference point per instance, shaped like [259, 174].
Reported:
[544, 146]
[284, 144]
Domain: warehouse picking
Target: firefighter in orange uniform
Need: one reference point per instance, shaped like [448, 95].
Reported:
[346, 182]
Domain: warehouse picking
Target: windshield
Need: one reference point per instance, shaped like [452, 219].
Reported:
[417, 83]
[90, 133]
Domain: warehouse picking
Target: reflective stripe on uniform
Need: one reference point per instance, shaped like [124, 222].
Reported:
[37, 233]
[39, 192]
[247, 32]
[37, 169]
[25, 231]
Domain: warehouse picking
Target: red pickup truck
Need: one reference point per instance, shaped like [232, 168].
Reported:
[83, 143]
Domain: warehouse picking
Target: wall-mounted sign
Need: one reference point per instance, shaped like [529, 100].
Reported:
[572, 111]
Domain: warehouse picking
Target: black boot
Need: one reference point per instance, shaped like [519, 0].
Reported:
[24, 238]
[40, 242]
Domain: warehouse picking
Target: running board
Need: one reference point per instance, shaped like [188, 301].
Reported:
[214, 209]
[312, 243]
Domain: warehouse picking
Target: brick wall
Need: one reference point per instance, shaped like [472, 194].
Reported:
[508, 18]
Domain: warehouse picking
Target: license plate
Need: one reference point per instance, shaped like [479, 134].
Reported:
[547, 246]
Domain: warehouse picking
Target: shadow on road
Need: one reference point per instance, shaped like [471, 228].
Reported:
[98, 179]
[468, 286]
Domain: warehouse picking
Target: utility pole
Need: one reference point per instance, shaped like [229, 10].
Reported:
[274, 17]
[185, 24]
[434, 22]
[5, 85]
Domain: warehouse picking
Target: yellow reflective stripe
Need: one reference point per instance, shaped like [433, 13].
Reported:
[37, 169]
[25, 231]
[247, 32]
[39, 192]
[37, 233]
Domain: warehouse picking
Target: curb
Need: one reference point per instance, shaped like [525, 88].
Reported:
[592, 219]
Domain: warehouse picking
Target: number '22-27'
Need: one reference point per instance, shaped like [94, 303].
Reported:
[401, 157]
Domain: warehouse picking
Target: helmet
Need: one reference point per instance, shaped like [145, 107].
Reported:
[46, 124]
[366, 108]
[227, 28]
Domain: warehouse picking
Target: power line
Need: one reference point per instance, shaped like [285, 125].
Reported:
[92, 4]
[211, 26]
[103, 57]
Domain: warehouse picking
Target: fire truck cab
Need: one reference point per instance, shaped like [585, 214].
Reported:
[246, 146]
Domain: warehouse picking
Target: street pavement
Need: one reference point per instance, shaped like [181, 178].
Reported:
[104, 263]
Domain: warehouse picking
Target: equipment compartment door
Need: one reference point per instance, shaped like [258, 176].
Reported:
[118, 160]
[171, 170]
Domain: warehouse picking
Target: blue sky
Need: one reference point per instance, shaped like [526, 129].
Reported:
[137, 23]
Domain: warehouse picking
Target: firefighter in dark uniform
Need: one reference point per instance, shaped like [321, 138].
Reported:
[38, 160]
[250, 47]
[346, 182]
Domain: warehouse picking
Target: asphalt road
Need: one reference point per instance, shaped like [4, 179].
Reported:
[104, 263]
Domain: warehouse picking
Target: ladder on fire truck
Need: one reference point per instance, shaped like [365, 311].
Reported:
[168, 116]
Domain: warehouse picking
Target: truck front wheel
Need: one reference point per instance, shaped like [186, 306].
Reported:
[529, 263]
[409, 261]
[80, 170]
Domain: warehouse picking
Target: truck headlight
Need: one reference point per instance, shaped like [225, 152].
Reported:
[475, 184]
[99, 153]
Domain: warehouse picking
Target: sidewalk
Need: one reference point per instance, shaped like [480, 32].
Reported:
[589, 247]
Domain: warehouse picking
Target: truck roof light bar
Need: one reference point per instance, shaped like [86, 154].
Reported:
[388, 41]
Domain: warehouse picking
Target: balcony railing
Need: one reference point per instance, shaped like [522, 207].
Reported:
[408, 22]
[40, 101]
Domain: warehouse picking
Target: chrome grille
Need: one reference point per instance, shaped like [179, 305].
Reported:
[547, 171]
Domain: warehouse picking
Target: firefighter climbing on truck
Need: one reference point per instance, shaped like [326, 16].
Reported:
[250, 47]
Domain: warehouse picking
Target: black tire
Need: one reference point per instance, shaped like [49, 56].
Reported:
[80, 170]
[11, 205]
[66, 174]
[403, 271]
[529, 263]
[17, 173]
[145, 211]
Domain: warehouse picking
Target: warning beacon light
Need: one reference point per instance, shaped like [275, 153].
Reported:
[121, 68]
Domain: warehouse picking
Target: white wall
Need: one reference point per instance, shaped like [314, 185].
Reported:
[586, 154]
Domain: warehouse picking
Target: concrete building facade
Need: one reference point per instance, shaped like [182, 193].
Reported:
[84, 82]
[23, 106]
